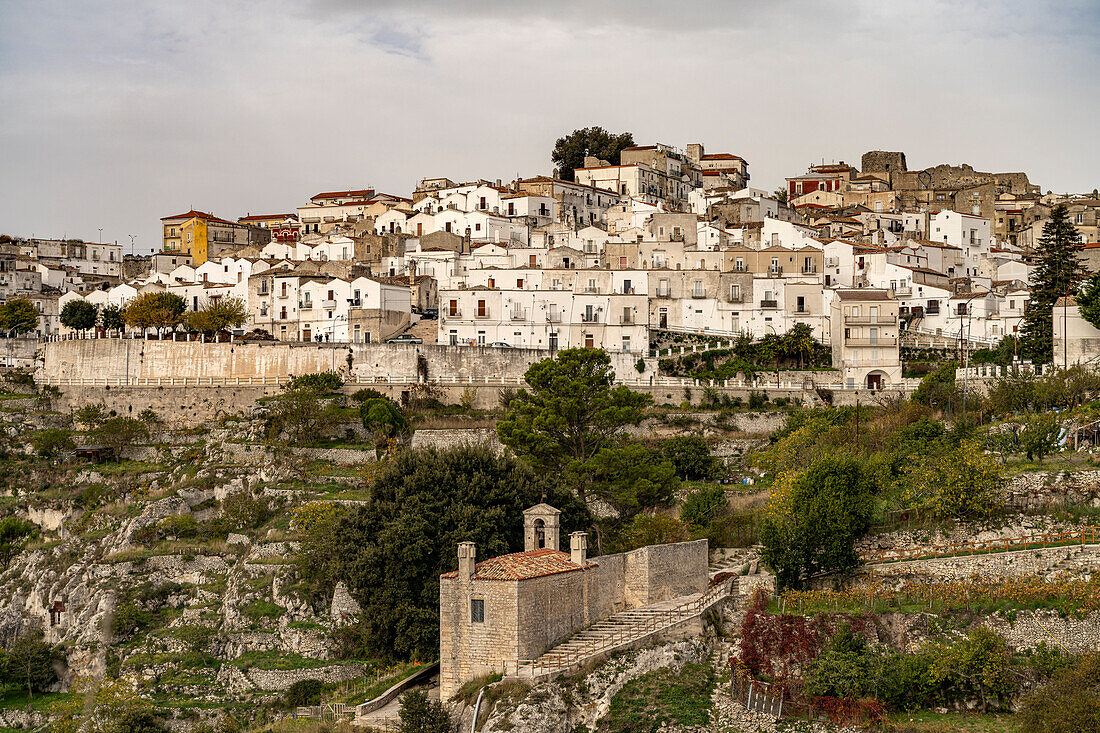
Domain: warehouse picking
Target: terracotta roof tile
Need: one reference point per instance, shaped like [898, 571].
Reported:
[523, 565]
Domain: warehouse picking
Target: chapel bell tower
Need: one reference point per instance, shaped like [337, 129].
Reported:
[540, 528]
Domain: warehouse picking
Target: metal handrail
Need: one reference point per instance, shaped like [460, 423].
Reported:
[554, 661]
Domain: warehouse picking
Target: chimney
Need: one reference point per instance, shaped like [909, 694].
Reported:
[467, 560]
[578, 548]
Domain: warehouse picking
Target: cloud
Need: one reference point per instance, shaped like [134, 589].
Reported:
[118, 113]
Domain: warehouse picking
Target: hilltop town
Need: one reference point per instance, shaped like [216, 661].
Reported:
[632, 446]
[622, 257]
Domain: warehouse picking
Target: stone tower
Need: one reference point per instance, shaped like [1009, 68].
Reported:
[540, 528]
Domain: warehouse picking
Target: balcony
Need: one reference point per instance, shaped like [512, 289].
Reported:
[769, 304]
[735, 299]
[592, 289]
[698, 294]
[884, 320]
[811, 270]
[663, 293]
[880, 341]
[904, 292]
[328, 304]
[305, 305]
[453, 313]
[553, 317]
[627, 319]
[590, 318]
[482, 313]
[519, 314]
[740, 268]
[775, 270]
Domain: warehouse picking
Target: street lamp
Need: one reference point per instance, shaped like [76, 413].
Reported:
[132, 238]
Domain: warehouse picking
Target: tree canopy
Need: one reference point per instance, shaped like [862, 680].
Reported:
[219, 314]
[571, 410]
[570, 150]
[154, 310]
[110, 318]
[814, 518]
[18, 316]
[79, 315]
[1058, 271]
[383, 419]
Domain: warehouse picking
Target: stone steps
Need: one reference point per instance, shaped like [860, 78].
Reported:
[621, 627]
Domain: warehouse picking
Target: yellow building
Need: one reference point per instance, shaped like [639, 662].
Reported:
[202, 235]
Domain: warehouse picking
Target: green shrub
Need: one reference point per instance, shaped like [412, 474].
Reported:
[48, 443]
[263, 609]
[690, 456]
[704, 506]
[757, 400]
[320, 383]
[304, 692]
[1068, 704]
[368, 393]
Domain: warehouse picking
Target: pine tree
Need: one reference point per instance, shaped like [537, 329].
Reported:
[1056, 275]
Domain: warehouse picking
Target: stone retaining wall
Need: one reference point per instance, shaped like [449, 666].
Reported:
[235, 680]
[1028, 629]
[1069, 558]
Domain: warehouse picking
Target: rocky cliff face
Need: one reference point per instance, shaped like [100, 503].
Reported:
[176, 570]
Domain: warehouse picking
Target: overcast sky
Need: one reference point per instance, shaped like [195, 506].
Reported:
[117, 113]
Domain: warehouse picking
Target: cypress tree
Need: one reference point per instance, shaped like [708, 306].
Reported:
[1057, 272]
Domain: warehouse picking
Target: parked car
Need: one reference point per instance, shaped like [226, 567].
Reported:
[405, 338]
[430, 313]
[499, 345]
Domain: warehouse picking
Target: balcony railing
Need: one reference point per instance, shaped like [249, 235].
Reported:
[871, 320]
[519, 314]
[698, 294]
[454, 313]
[769, 304]
[593, 318]
[553, 317]
[810, 270]
[663, 293]
[902, 291]
[305, 305]
[775, 270]
[328, 304]
[740, 268]
[627, 319]
[482, 313]
[880, 341]
[735, 299]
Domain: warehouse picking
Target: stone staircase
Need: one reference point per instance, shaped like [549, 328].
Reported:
[742, 561]
[619, 630]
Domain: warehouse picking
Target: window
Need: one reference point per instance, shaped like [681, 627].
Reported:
[477, 610]
[481, 309]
